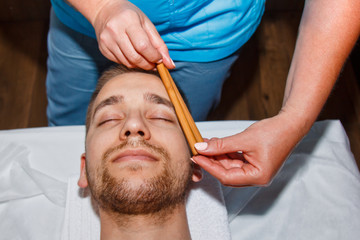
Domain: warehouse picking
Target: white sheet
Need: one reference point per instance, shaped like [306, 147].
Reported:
[315, 196]
[203, 203]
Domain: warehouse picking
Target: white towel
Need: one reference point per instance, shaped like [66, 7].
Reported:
[205, 208]
[32, 203]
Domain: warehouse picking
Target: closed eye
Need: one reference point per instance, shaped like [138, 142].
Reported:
[162, 116]
[162, 119]
[107, 121]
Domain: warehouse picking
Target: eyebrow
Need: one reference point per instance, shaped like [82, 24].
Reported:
[107, 102]
[149, 97]
[156, 99]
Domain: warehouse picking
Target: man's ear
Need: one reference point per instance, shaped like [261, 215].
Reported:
[83, 182]
[197, 173]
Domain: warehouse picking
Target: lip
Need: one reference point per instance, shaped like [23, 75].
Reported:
[134, 155]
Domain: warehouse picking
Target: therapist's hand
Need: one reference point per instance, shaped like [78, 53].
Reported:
[125, 35]
[265, 145]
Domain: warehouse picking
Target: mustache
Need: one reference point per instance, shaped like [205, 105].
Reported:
[136, 143]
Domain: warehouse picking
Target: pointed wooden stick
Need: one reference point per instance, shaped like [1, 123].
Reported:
[186, 121]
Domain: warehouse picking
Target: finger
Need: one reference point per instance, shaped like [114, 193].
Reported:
[217, 146]
[233, 176]
[125, 45]
[230, 156]
[116, 55]
[108, 54]
[142, 44]
[228, 164]
[231, 160]
[239, 186]
[236, 155]
[105, 51]
[122, 58]
[158, 43]
[225, 176]
[109, 48]
[220, 157]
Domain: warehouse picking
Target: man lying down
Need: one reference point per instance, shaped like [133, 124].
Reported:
[137, 162]
[144, 186]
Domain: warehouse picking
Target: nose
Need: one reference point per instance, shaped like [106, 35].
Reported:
[135, 126]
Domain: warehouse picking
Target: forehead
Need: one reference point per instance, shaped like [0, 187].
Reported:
[132, 84]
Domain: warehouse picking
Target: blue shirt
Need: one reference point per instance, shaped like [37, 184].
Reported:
[195, 31]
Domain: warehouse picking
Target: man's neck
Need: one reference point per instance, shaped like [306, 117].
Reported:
[158, 226]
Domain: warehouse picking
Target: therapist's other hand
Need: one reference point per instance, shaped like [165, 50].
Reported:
[126, 36]
[264, 147]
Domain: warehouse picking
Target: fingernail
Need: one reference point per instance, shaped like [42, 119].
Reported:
[192, 160]
[172, 62]
[201, 146]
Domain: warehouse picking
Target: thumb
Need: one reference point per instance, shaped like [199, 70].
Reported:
[218, 146]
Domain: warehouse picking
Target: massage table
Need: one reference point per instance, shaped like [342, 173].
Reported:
[316, 194]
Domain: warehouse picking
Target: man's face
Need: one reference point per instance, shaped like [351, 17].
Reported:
[136, 153]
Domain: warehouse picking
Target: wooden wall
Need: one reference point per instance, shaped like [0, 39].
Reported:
[18, 10]
[284, 5]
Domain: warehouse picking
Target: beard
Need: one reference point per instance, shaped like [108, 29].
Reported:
[161, 193]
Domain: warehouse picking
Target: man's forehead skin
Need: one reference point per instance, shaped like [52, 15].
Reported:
[133, 81]
[148, 97]
[108, 101]
[155, 98]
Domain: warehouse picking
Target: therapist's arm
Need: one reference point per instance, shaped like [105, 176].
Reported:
[327, 34]
[124, 33]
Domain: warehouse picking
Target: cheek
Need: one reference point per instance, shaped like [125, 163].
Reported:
[176, 145]
[100, 141]
[96, 145]
[182, 147]
[171, 138]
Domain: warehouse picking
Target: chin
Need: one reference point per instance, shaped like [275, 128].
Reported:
[135, 176]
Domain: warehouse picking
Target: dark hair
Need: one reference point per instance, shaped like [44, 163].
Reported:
[109, 74]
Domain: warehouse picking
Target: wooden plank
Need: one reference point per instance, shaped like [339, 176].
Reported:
[37, 113]
[284, 5]
[20, 48]
[19, 10]
[258, 78]
[234, 104]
